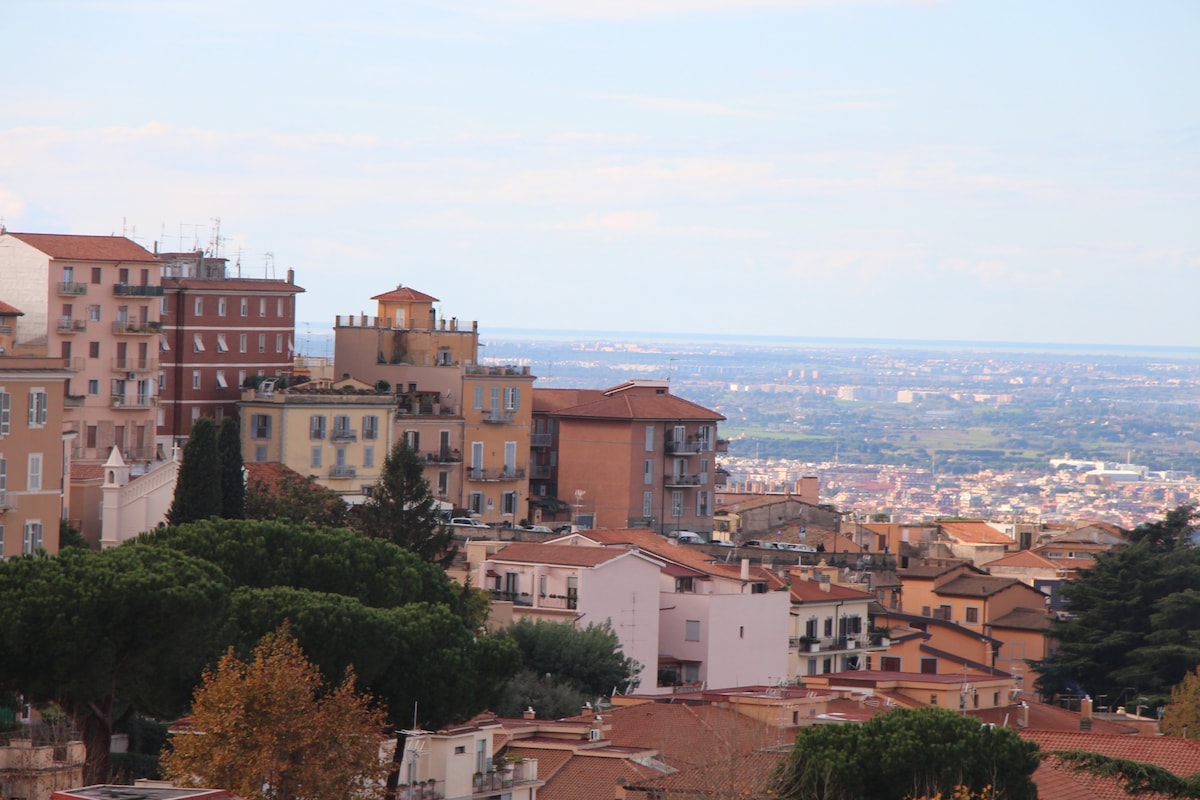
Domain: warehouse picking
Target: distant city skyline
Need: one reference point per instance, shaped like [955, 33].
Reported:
[849, 169]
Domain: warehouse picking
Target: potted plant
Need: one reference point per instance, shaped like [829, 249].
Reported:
[812, 643]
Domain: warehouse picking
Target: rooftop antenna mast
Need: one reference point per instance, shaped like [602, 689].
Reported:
[269, 265]
[214, 245]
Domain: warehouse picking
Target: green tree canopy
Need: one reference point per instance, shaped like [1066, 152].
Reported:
[233, 477]
[908, 753]
[87, 628]
[295, 498]
[1134, 622]
[198, 487]
[403, 510]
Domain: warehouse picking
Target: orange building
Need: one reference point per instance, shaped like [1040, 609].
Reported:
[633, 455]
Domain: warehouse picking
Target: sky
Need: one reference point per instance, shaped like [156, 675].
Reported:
[982, 170]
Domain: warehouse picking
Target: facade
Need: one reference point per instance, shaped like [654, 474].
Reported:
[470, 422]
[458, 764]
[93, 300]
[35, 769]
[217, 331]
[33, 453]
[338, 433]
[829, 627]
[135, 501]
[633, 455]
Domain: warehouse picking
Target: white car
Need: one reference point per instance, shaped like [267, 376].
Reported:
[467, 522]
[538, 529]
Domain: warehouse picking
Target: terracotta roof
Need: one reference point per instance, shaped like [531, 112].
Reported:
[1057, 780]
[403, 294]
[1172, 753]
[1026, 559]
[268, 473]
[640, 407]
[811, 591]
[745, 776]
[929, 571]
[593, 775]
[86, 248]
[86, 471]
[550, 760]
[1027, 619]
[663, 549]
[974, 532]
[976, 585]
[551, 400]
[10, 311]
[1046, 717]
[231, 285]
[568, 555]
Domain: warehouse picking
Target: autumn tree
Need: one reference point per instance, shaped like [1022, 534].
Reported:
[233, 477]
[403, 510]
[1182, 717]
[108, 632]
[269, 729]
[909, 753]
[198, 485]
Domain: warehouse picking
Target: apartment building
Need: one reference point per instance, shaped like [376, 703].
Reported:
[337, 432]
[829, 626]
[633, 455]
[33, 452]
[470, 422]
[217, 330]
[94, 301]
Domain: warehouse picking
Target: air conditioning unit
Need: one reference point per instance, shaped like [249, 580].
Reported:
[131, 376]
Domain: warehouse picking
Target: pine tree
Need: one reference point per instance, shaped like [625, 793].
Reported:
[233, 479]
[198, 487]
[403, 510]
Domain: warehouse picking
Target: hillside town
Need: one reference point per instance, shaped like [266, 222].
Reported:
[755, 602]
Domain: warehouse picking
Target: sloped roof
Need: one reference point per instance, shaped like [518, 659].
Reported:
[1055, 779]
[744, 776]
[232, 285]
[10, 311]
[1172, 753]
[930, 571]
[403, 294]
[566, 555]
[640, 407]
[973, 532]
[811, 592]
[551, 400]
[86, 248]
[977, 585]
[1024, 559]
[663, 549]
[593, 775]
[1027, 619]
[269, 473]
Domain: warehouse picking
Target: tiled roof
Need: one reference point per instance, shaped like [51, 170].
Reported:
[811, 591]
[744, 776]
[86, 248]
[1057, 781]
[641, 407]
[976, 585]
[403, 294]
[661, 548]
[1045, 717]
[550, 760]
[551, 400]
[593, 775]
[1023, 559]
[974, 532]
[930, 571]
[1027, 619]
[10, 311]
[568, 555]
[81, 471]
[268, 473]
[1172, 753]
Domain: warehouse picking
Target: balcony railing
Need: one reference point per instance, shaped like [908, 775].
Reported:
[498, 416]
[72, 288]
[516, 598]
[540, 439]
[671, 479]
[685, 447]
[134, 401]
[136, 327]
[134, 365]
[343, 435]
[446, 456]
[130, 290]
[540, 472]
[343, 472]
[496, 474]
[71, 325]
[497, 371]
[722, 445]
[422, 790]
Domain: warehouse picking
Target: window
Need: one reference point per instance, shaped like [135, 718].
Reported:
[93, 387]
[5, 413]
[39, 407]
[478, 405]
[241, 377]
[649, 438]
[810, 628]
[370, 428]
[221, 384]
[262, 306]
[829, 626]
[242, 343]
[933, 700]
[512, 398]
[647, 504]
[262, 343]
[220, 306]
[929, 666]
[475, 502]
[197, 343]
[198, 306]
[279, 343]
[648, 472]
[341, 426]
[94, 313]
[260, 452]
[3, 492]
[889, 663]
[245, 306]
[443, 484]
[196, 379]
[412, 440]
[316, 458]
[96, 274]
[972, 614]
[34, 532]
[279, 306]
[221, 346]
[34, 476]
[691, 630]
[702, 505]
[677, 503]
[93, 349]
[684, 584]
[316, 426]
[443, 357]
[368, 456]
[704, 472]
[508, 503]
[260, 426]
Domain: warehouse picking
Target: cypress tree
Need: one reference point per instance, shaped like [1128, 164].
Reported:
[233, 481]
[403, 510]
[198, 487]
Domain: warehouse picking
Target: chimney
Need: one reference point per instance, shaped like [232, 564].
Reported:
[291, 273]
[745, 569]
[529, 713]
[1023, 715]
[824, 585]
[1085, 707]
[587, 712]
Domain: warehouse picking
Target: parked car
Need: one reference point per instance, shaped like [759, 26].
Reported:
[796, 548]
[538, 529]
[688, 537]
[762, 544]
[722, 543]
[468, 522]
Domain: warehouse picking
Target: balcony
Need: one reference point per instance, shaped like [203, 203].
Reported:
[422, 790]
[494, 474]
[722, 445]
[130, 290]
[127, 365]
[497, 416]
[540, 439]
[70, 325]
[343, 435]
[689, 446]
[721, 477]
[72, 288]
[343, 471]
[134, 401]
[136, 327]
[516, 598]
[446, 456]
[8, 501]
[672, 479]
[501, 781]
[540, 472]
[496, 372]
